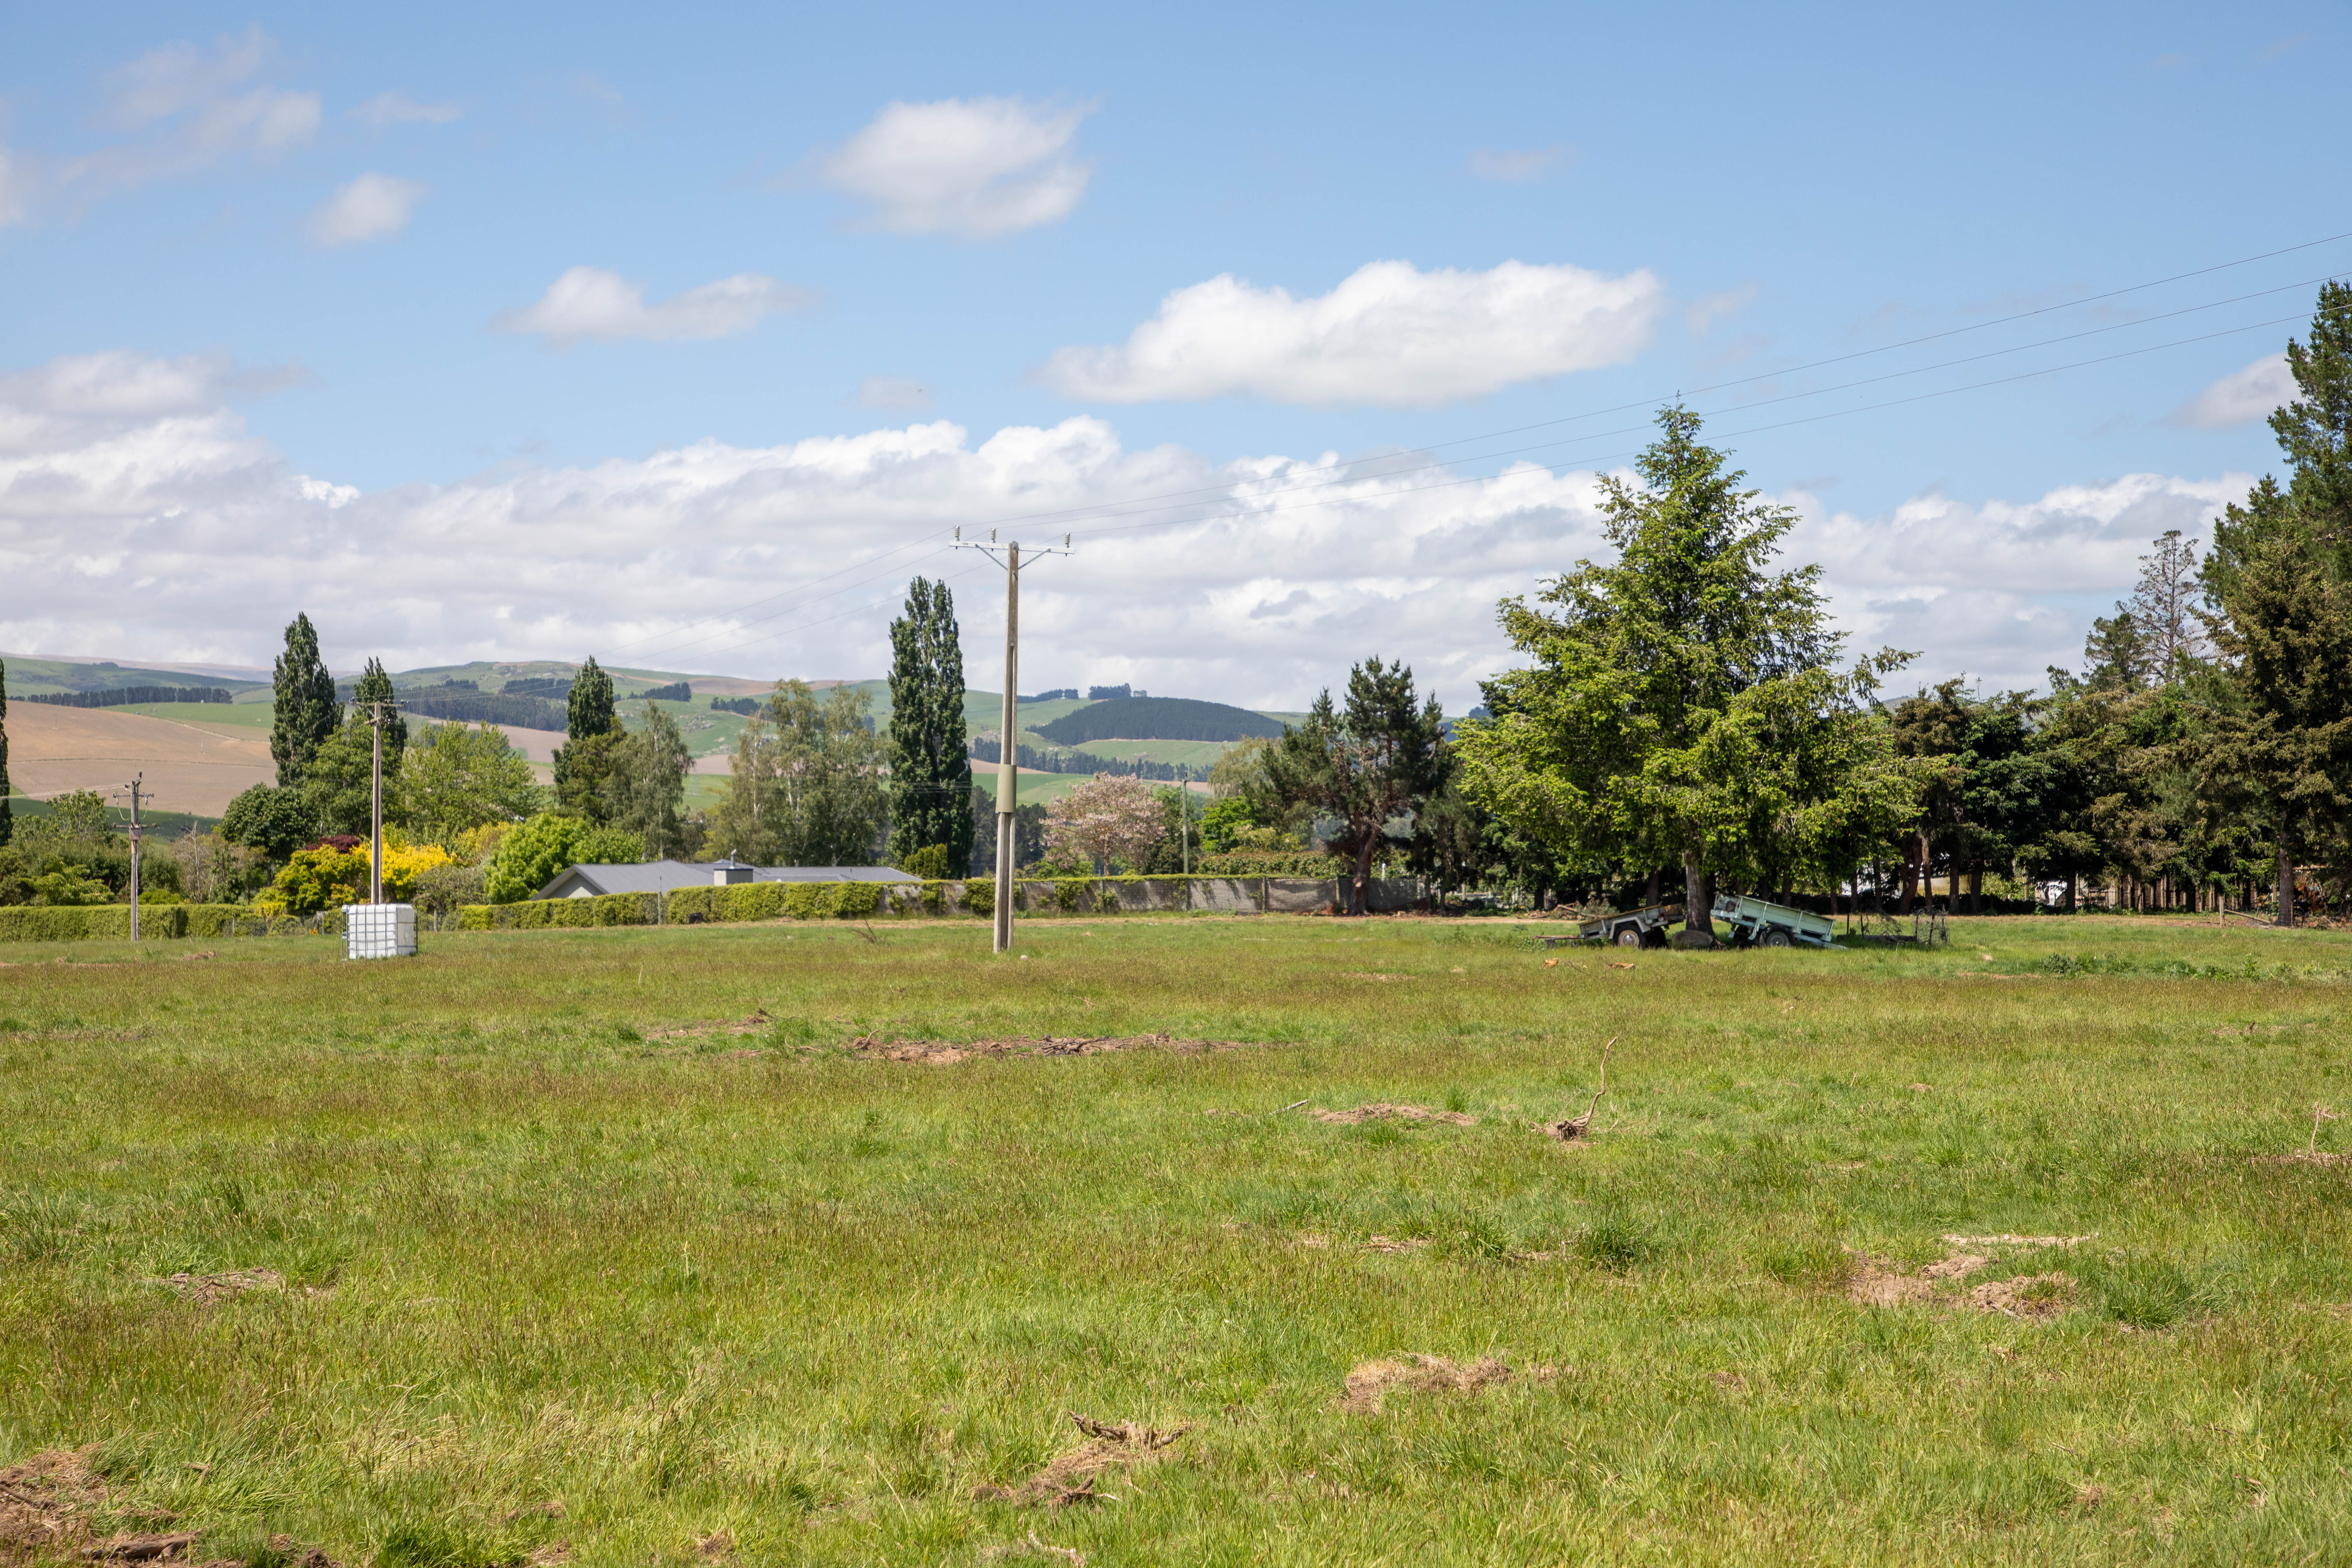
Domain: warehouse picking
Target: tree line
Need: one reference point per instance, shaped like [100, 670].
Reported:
[123, 696]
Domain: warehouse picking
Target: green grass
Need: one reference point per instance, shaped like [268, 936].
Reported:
[538, 1251]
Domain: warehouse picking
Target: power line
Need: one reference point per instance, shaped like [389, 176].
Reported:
[1175, 497]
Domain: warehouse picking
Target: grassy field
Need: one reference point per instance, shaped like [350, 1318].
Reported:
[634, 1246]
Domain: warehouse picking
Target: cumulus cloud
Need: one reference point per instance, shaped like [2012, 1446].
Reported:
[372, 206]
[2240, 397]
[114, 467]
[386, 108]
[588, 303]
[1516, 167]
[974, 168]
[190, 107]
[1389, 334]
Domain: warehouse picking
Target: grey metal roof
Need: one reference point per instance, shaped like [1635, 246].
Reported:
[831, 874]
[667, 876]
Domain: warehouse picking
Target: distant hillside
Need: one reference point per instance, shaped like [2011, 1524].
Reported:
[29, 676]
[1158, 719]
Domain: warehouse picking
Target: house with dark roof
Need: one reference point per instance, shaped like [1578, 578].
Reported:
[669, 875]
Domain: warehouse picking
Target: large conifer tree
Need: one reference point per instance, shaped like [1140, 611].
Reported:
[931, 768]
[592, 721]
[307, 711]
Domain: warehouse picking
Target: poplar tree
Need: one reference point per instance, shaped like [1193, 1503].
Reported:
[306, 711]
[930, 764]
[8, 811]
[583, 764]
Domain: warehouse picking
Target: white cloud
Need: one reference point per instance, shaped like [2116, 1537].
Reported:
[189, 108]
[15, 188]
[976, 168]
[1703, 312]
[1515, 167]
[590, 303]
[892, 392]
[372, 206]
[387, 109]
[1391, 334]
[121, 463]
[2240, 397]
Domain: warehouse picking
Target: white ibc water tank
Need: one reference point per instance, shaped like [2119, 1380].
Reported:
[379, 931]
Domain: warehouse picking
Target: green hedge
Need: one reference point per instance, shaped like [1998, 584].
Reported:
[111, 922]
[1269, 863]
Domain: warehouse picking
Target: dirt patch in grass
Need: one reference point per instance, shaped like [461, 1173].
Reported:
[757, 1024]
[1382, 1110]
[1365, 974]
[2006, 1240]
[2034, 1295]
[206, 1288]
[1072, 1476]
[45, 1505]
[2028, 1296]
[940, 1053]
[1369, 1381]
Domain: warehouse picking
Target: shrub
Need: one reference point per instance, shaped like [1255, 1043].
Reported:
[316, 880]
[853, 900]
[929, 863]
[68, 889]
[1268, 863]
[980, 896]
[529, 857]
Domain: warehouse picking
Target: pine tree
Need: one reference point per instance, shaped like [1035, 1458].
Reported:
[307, 711]
[2314, 435]
[2282, 750]
[930, 766]
[8, 811]
[2118, 653]
[2163, 605]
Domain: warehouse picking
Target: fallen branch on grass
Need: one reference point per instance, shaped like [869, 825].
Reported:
[1574, 1127]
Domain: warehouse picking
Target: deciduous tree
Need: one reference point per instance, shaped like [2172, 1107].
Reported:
[807, 787]
[1112, 816]
[644, 792]
[461, 777]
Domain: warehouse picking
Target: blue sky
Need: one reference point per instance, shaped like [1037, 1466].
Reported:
[341, 237]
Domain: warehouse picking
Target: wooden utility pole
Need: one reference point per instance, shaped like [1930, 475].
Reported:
[135, 781]
[375, 800]
[1008, 767]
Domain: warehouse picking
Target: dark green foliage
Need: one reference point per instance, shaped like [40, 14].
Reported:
[930, 771]
[1369, 765]
[746, 705]
[2314, 435]
[123, 696]
[1682, 707]
[1028, 834]
[2280, 749]
[644, 790]
[270, 818]
[7, 810]
[583, 765]
[676, 691]
[589, 708]
[468, 707]
[375, 686]
[1158, 719]
[307, 711]
[2119, 658]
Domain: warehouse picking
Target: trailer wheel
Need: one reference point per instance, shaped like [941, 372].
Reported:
[1776, 937]
[1630, 936]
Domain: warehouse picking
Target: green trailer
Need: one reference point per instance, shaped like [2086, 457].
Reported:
[1756, 923]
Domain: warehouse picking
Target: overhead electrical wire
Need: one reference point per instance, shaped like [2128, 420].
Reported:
[1174, 499]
